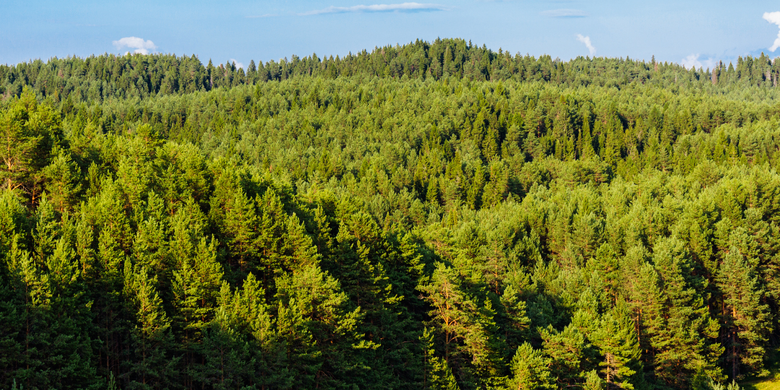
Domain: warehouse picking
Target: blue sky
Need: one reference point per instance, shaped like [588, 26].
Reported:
[691, 32]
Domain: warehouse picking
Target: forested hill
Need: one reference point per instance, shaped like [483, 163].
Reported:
[466, 220]
[103, 77]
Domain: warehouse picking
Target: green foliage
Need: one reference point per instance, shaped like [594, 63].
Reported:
[530, 370]
[615, 337]
[28, 131]
[434, 215]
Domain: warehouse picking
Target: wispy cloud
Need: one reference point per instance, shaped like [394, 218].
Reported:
[774, 18]
[237, 64]
[586, 41]
[565, 13]
[261, 16]
[402, 7]
[138, 45]
[693, 61]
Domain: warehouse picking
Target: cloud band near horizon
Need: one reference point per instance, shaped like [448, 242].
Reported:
[138, 45]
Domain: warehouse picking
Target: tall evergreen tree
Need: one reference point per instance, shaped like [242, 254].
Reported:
[28, 131]
[745, 316]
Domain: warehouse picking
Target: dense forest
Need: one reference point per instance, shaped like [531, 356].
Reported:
[428, 216]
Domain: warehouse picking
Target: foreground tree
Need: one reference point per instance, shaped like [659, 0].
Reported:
[28, 131]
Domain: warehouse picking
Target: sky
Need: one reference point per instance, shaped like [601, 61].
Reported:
[693, 33]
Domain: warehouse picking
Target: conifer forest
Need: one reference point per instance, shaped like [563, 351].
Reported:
[436, 215]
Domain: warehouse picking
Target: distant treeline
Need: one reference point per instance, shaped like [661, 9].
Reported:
[96, 78]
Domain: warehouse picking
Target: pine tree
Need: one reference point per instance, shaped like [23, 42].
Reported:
[150, 367]
[497, 187]
[462, 324]
[744, 315]
[69, 355]
[617, 342]
[513, 319]
[681, 333]
[32, 295]
[436, 373]
[586, 136]
[227, 361]
[318, 329]
[530, 370]
[62, 180]
[150, 245]
[593, 381]
[196, 285]
[240, 230]
[474, 194]
[28, 131]
[570, 354]
[251, 72]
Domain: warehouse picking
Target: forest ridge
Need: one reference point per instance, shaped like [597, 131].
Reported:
[434, 215]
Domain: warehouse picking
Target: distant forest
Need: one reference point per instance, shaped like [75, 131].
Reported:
[427, 216]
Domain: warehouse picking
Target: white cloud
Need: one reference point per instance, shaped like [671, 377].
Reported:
[565, 13]
[138, 45]
[693, 61]
[237, 64]
[403, 7]
[586, 41]
[774, 18]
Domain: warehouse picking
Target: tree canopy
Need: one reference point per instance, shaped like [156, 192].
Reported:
[434, 215]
